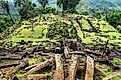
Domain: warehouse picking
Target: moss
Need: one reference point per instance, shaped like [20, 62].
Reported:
[64, 28]
[107, 70]
[4, 61]
[98, 65]
[117, 78]
[20, 75]
[116, 61]
[35, 60]
[98, 76]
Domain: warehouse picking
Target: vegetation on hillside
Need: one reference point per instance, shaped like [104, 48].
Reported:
[41, 27]
[27, 9]
[114, 19]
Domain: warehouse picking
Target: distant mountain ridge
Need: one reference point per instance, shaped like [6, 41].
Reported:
[100, 5]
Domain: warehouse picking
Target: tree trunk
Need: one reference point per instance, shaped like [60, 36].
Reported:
[11, 18]
[40, 15]
[32, 26]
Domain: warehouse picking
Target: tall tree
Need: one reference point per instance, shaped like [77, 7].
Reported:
[67, 4]
[26, 8]
[5, 6]
[114, 19]
[43, 3]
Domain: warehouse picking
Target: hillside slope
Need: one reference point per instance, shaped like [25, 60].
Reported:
[87, 30]
[103, 6]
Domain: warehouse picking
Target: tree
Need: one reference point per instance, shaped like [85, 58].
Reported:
[27, 11]
[32, 23]
[19, 3]
[98, 15]
[85, 12]
[26, 8]
[114, 19]
[5, 23]
[67, 4]
[43, 3]
[5, 6]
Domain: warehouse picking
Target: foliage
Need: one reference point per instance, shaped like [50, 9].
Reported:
[71, 11]
[27, 11]
[46, 10]
[103, 6]
[114, 19]
[35, 60]
[67, 4]
[53, 26]
[5, 6]
[61, 30]
[98, 15]
[26, 8]
[106, 70]
[116, 61]
[43, 2]
[5, 22]
[85, 13]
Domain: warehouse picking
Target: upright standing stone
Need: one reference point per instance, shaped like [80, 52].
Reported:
[89, 68]
[59, 72]
[73, 67]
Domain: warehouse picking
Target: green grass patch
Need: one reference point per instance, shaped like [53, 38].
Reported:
[116, 61]
[35, 60]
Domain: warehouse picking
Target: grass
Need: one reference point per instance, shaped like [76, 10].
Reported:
[40, 31]
[106, 71]
[20, 75]
[31, 61]
[25, 33]
[117, 78]
[116, 61]
[35, 60]
[4, 61]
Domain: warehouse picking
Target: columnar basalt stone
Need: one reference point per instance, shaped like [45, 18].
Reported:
[73, 67]
[8, 64]
[37, 77]
[89, 68]
[59, 72]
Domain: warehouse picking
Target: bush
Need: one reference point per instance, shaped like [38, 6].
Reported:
[85, 13]
[5, 22]
[114, 19]
[61, 30]
[71, 11]
[47, 10]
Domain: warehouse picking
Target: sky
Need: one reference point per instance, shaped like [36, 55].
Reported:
[10, 1]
